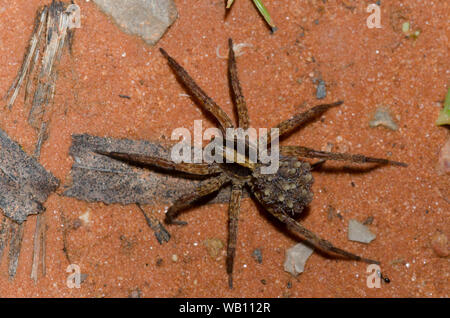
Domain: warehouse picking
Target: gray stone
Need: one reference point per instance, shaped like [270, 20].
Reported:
[382, 117]
[148, 19]
[321, 91]
[359, 233]
[296, 258]
[257, 255]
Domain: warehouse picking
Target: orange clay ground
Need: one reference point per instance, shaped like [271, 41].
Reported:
[364, 67]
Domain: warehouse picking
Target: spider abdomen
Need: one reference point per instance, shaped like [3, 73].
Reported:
[287, 191]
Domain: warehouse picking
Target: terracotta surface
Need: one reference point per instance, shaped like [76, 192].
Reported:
[364, 67]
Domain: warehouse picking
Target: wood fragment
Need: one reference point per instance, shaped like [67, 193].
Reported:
[4, 235]
[161, 234]
[24, 183]
[51, 34]
[97, 178]
[15, 245]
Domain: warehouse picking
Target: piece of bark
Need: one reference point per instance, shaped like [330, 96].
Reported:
[15, 245]
[53, 31]
[24, 183]
[98, 178]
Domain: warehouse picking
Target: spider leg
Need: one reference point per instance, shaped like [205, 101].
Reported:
[206, 102]
[238, 97]
[317, 241]
[203, 189]
[157, 161]
[233, 214]
[298, 151]
[296, 121]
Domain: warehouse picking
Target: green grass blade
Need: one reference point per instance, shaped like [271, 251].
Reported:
[444, 115]
[229, 3]
[262, 9]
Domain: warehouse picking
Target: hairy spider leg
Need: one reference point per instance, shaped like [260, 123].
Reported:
[201, 169]
[299, 151]
[317, 241]
[233, 219]
[238, 96]
[206, 102]
[203, 189]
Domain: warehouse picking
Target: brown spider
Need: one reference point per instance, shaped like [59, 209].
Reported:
[283, 194]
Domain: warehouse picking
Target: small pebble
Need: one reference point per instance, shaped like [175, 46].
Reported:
[382, 117]
[359, 232]
[257, 255]
[174, 257]
[321, 91]
[296, 258]
[213, 246]
[439, 243]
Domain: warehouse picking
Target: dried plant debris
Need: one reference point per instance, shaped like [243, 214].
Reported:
[359, 232]
[12, 233]
[161, 233]
[24, 183]
[296, 258]
[52, 33]
[382, 117]
[24, 187]
[262, 10]
[444, 114]
[148, 19]
[96, 177]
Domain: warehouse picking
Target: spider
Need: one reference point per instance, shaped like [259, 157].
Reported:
[284, 194]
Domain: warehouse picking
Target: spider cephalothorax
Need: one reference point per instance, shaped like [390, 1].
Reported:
[283, 193]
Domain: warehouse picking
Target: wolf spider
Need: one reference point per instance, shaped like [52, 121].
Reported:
[283, 194]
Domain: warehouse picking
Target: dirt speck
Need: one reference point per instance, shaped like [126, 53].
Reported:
[439, 243]
[214, 246]
[257, 255]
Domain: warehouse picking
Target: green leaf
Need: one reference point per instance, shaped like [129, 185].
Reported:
[262, 9]
[444, 115]
[229, 3]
